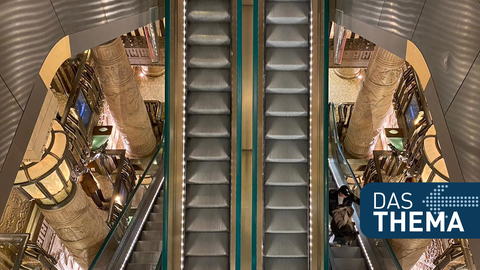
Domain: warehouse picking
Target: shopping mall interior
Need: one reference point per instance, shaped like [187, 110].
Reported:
[213, 134]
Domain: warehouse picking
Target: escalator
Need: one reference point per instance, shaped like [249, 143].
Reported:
[364, 253]
[148, 248]
[286, 133]
[208, 132]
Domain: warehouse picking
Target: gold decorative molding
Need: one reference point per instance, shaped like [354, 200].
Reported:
[57, 55]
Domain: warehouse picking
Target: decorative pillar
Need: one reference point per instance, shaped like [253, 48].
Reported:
[80, 227]
[124, 99]
[409, 251]
[374, 103]
[75, 220]
[153, 71]
[347, 73]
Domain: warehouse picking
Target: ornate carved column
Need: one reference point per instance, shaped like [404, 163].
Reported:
[124, 99]
[80, 227]
[374, 103]
[408, 251]
[347, 73]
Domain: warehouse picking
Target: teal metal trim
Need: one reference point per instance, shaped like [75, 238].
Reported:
[326, 36]
[255, 135]
[238, 210]
[166, 129]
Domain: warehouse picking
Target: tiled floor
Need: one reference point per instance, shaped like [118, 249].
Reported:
[342, 90]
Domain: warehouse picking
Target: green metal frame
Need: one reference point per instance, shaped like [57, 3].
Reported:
[255, 135]
[162, 262]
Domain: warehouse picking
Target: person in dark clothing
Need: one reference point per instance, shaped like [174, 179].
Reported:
[90, 186]
[341, 197]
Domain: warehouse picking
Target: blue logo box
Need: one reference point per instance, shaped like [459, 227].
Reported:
[420, 210]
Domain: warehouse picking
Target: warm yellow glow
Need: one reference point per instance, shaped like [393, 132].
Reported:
[416, 59]
[118, 200]
[57, 55]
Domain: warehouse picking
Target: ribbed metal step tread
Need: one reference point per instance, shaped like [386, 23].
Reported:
[206, 244]
[208, 80]
[203, 149]
[286, 245]
[148, 246]
[155, 217]
[286, 105]
[208, 103]
[208, 172]
[145, 257]
[208, 57]
[286, 128]
[286, 264]
[153, 226]
[291, 59]
[351, 263]
[286, 221]
[285, 174]
[151, 235]
[285, 198]
[286, 13]
[208, 11]
[346, 252]
[286, 82]
[287, 36]
[207, 263]
[209, 34]
[214, 126]
[208, 196]
[141, 266]
[207, 220]
[286, 151]
[157, 208]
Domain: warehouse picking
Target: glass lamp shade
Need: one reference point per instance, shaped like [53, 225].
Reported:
[435, 169]
[48, 181]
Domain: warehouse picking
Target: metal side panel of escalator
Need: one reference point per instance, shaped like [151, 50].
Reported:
[286, 134]
[208, 132]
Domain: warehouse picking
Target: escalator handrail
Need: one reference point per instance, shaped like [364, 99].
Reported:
[333, 128]
[127, 205]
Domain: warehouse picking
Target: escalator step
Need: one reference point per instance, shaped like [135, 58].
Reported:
[206, 244]
[351, 263]
[283, 82]
[208, 103]
[141, 266]
[207, 220]
[214, 126]
[286, 264]
[346, 252]
[207, 263]
[208, 196]
[208, 172]
[286, 13]
[286, 105]
[207, 149]
[208, 10]
[208, 80]
[286, 128]
[286, 221]
[287, 36]
[208, 57]
[151, 235]
[286, 245]
[285, 174]
[209, 34]
[286, 151]
[148, 246]
[286, 198]
[287, 59]
[145, 256]
[153, 225]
